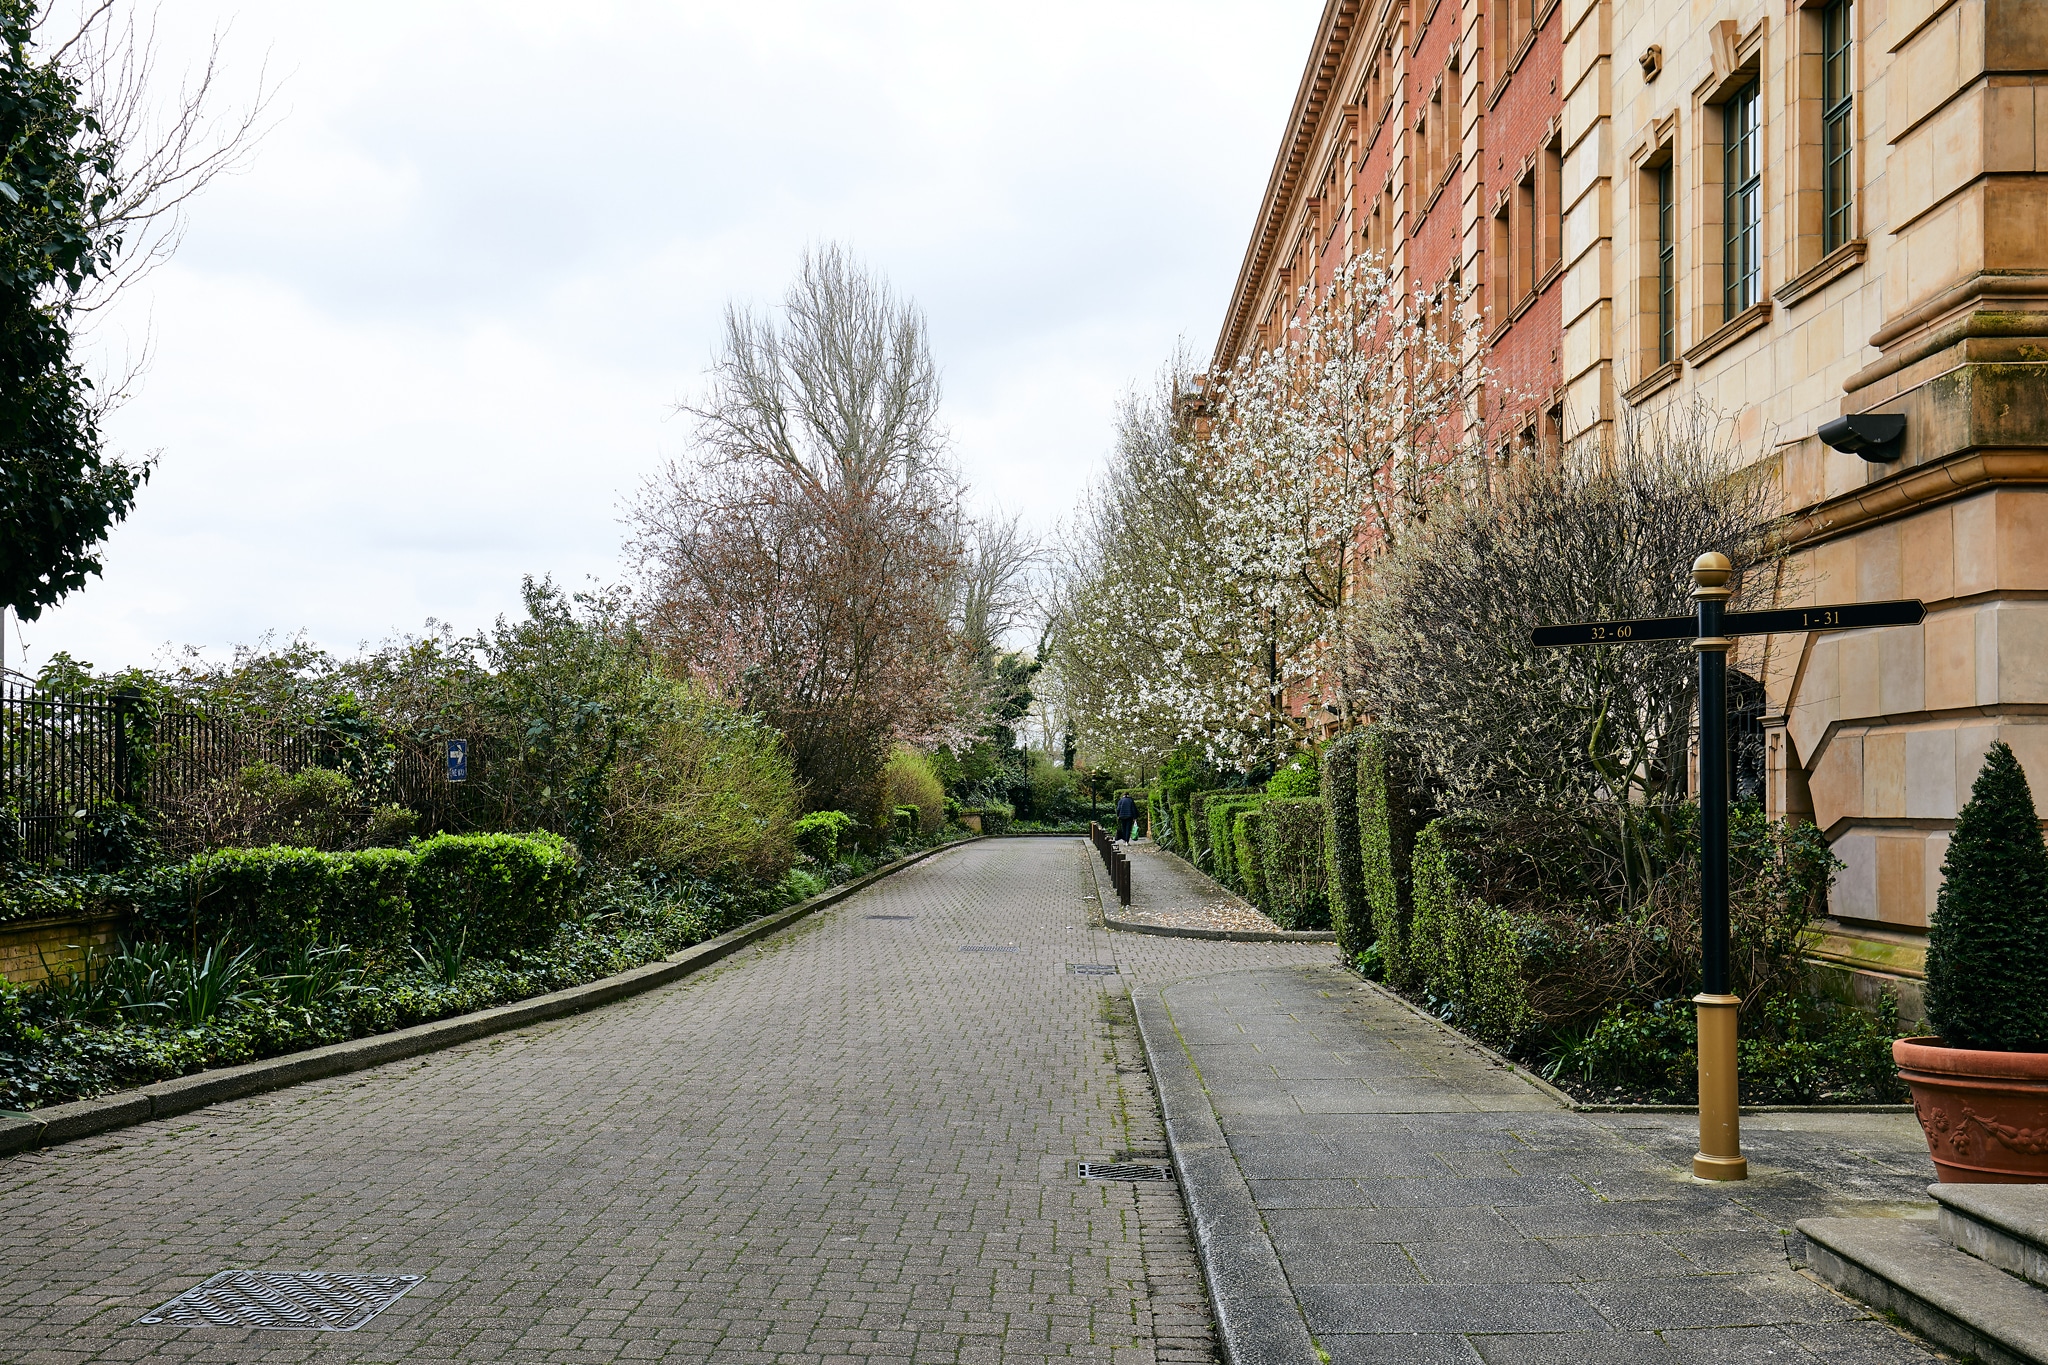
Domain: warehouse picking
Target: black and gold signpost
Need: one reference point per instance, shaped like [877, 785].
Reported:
[1711, 631]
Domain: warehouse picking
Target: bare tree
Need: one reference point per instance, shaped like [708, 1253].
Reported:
[1610, 531]
[168, 144]
[806, 562]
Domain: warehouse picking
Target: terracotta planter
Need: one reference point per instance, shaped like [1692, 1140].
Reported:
[1985, 1113]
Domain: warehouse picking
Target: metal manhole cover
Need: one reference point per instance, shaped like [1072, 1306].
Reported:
[888, 916]
[995, 948]
[1090, 969]
[1123, 1170]
[315, 1301]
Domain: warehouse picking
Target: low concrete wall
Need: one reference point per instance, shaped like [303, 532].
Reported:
[31, 949]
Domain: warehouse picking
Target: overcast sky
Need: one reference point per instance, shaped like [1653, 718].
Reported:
[434, 334]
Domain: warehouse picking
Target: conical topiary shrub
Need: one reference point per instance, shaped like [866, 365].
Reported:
[1987, 951]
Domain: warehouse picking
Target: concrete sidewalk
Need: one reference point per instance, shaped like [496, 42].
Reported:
[1168, 893]
[1364, 1184]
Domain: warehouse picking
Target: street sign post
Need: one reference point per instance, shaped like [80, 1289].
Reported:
[458, 760]
[1711, 630]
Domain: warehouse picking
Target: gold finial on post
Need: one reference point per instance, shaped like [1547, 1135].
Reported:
[1711, 572]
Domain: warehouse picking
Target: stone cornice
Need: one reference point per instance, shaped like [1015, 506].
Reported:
[1312, 102]
[1959, 475]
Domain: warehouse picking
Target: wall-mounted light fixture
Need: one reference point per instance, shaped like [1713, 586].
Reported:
[1879, 437]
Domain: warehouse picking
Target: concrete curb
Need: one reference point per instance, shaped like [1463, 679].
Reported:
[82, 1118]
[1258, 1321]
[1222, 935]
[1564, 1097]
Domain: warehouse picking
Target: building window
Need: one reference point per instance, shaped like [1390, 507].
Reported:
[1742, 207]
[1526, 233]
[1667, 265]
[1550, 189]
[1838, 136]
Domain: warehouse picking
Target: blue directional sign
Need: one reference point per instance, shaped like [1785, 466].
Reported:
[458, 760]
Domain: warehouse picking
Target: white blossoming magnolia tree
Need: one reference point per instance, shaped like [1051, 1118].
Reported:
[1313, 456]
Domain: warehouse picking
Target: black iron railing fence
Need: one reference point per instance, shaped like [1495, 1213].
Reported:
[66, 759]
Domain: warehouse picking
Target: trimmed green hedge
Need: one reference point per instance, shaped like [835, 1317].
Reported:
[1387, 825]
[503, 891]
[1246, 837]
[1291, 870]
[272, 899]
[1343, 870]
[1205, 842]
[498, 892]
[1219, 814]
[818, 835]
[1466, 955]
[371, 910]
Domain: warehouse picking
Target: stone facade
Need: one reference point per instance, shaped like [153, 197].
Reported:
[1790, 211]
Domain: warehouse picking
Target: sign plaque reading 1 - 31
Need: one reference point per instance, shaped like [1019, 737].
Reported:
[458, 760]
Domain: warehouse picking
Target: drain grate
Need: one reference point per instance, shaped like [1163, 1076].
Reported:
[1091, 969]
[888, 916]
[1124, 1170]
[990, 948]
[310, 1302]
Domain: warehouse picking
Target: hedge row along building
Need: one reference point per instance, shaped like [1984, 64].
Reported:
[1795, 211]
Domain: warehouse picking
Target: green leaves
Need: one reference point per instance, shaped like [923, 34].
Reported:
[1985, 983]
[60, 494]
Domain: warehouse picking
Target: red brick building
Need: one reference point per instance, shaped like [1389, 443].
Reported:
[1789, 212]
[1428, 135]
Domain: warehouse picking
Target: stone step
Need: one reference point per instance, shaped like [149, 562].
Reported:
[1908, 1267]
[2006, 1225]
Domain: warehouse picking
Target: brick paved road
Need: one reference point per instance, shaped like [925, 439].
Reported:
[853, 1143]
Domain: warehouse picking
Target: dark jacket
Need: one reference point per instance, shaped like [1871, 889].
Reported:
[1126, 808]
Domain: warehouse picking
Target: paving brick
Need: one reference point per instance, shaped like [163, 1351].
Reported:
[850, 1142]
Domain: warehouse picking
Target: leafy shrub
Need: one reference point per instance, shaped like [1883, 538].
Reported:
[1247, 848]
[1794, 1050]
[1297, 778]
[1343, 871]
[996, 817]
[110, 837]
[390, 826]
[371, 906]
[1161, 829]
[1389, 817]
[506, 891]
[1291, 871]
[709, 792]
[40, 893]
[799, 885]
[1180, 777]
[1219, 816]
[1465, 954]
[1055, 791]
[818, 834]
[1986, 987]
[1521, 927]
[1208, 838]
[269, 899]
[905, 822]
[911, 781]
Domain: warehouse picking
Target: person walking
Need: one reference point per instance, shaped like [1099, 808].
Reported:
[1126, 816]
